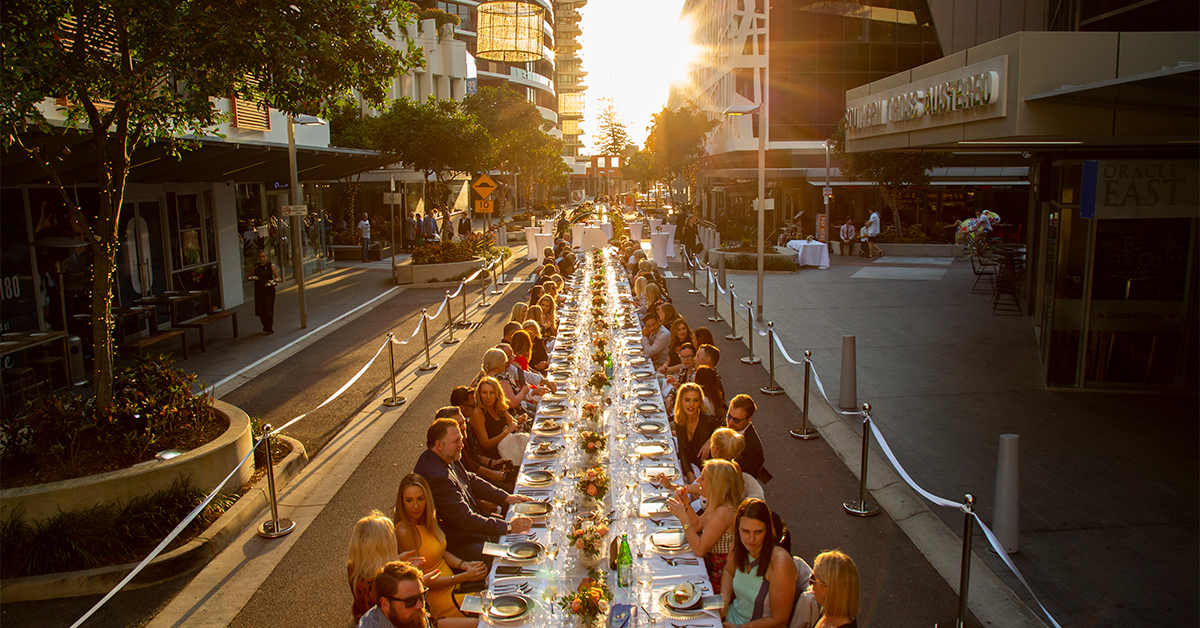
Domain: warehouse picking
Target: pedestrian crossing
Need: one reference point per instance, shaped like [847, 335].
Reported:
[903, 274]
[932, 261]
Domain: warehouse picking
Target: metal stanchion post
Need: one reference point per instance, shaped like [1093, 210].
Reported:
[707, 282]
[964, 578]
[716, 316]
[732, 335]
[483, 302]
[750, 359]
[772, 388]
[495, 285]
[449, 323]
[395, 399]
[695, 268]
[428, 366]
[863, 508]
[502, 282]
[464, 289]
[804, 433]
[276, 527]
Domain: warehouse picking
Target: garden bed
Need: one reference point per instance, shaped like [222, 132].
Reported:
[775, 259]
[409, 273]
[353, 253]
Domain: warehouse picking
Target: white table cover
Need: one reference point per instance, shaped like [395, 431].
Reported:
[577, 235]
[658, 248]
[530, 253]
[670, 230]
[811, 253]
[655, 223]
[542, 240]
[594, 238]
[635, 231]
[606, 227]
[548, 226]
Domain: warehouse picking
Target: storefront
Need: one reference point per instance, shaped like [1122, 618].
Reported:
[1110, 129]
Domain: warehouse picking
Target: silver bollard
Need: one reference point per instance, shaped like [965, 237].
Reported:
[1006, 518]
[707, 282]
[848, 389]
[450, 340]
[464, 289]
[964, 579]
[805, 433]
[732, 335]
[751, 359]
[772, 388]
[428, 366]
[395, 399]
[276, 527]
[863, 507]
[716, 316]
[483, 278]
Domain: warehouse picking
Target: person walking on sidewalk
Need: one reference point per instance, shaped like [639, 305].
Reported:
[847, 233]
[364, 230]
[873, 233]
[464, 225]
[265, 276]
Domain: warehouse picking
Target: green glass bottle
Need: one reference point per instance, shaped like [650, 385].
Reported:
[624, 564]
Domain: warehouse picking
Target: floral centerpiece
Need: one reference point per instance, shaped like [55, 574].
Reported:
[597, 381]
[593, 484]
[589, 537]
[589, 602]
[600, 357]
[592, 443]
[591, 411]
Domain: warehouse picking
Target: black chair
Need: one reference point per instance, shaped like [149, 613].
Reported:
[983, 267]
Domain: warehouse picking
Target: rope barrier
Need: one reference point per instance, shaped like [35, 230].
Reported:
[166, 541]
[460, 288]
[440, 308]
[337, 394]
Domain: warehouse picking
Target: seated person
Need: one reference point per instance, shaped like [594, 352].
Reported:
[834, 583]
[372, 545]
[491, 422]
[710, 535]
[725, 444]
[400, 601]
[656, 340]
[759, 584]
[457, 493]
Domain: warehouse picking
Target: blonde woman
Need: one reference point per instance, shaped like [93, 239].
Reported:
[417, 530]
[710, 535]
[726, 444]
[834, 583]
[639, 286]
[650, 297]
[535, 314]
[549, 315]
[519, 309]
[693, 427]
[372, 545]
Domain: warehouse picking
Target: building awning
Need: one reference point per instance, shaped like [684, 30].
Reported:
[210, 161]
[1173, 90]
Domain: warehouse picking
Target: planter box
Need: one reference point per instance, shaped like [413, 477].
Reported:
[353, 253]
[206, 466]
[715, 255]
[417, 274]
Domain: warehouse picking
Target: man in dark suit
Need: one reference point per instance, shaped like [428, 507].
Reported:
[741, 413]
[457, 492]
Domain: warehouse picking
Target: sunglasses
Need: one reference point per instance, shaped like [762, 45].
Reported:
[732, 419]
[410, 602]
[812, 581]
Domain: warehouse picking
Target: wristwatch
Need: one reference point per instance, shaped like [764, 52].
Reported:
[686, 527]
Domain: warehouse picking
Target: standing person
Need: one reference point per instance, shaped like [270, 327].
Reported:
[411, 231]
[847, 233]
[465, 225]
[873, 233]
[430, 226]
[364, 230]
[265, 277]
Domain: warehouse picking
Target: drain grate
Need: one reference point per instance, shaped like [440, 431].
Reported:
[471, 325]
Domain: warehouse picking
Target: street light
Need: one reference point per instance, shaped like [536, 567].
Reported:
[298, 199]
[740, 110]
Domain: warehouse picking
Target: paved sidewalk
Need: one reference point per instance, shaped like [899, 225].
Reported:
[1109, 514]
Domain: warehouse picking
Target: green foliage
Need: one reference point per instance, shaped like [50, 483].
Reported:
[640, 168]
[103, 535]
[770, 263]
[522, 141]
[439, 16]
[436, 137]
[152, 402]
[676, 142]
[443, 252]
[744, 234]
[612, 134]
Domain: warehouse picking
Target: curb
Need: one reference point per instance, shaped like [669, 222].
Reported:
[184, 560]
[992, 601]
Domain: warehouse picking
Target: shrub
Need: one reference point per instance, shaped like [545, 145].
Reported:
[770, 263]
[442, 252]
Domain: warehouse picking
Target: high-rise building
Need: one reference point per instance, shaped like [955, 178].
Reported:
[569, 84]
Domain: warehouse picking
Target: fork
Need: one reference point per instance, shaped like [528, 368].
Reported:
[519, 587]
[675, 562]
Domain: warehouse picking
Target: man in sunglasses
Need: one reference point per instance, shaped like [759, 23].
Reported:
[400, 601]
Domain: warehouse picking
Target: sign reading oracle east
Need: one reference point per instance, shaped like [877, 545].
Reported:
[974, 92]
[1150, 188]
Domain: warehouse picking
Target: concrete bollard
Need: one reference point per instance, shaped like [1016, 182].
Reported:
[721, 273]
[1006, 519]
[848, 389]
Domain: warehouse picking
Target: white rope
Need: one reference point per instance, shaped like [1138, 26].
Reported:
[1008, 561]
[459, 291]
[440, 308]
[166, 541]
[779, 343]
[416, 331]
[337, 394]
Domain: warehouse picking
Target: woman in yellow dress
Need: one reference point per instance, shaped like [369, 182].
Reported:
[417, 529]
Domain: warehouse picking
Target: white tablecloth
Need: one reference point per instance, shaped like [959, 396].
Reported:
[548, 226]
[655, 223]
[670, 230]
[635, 231]
[606, 227]
[542, 240]
[593, 238]
[811, 253]
[658, 247]
[531, 252]
[577, 235]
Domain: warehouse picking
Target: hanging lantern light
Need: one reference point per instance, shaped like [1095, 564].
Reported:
[570, 104]
[510, 31]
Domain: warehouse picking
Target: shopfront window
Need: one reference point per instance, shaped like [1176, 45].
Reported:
[193, 244]
[253, 228]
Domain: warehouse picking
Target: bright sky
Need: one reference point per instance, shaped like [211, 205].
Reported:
[632, 51]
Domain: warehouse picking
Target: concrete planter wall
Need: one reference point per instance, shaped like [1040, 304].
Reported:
[918, 250]
[416, 274]
[715, 255]
[206, 466]
[353, 253]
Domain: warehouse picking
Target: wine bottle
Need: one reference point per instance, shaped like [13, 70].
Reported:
[624, 564]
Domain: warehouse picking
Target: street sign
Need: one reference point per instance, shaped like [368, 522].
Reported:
[485, 207]
[392, 198]
[827, 191]
[295, 210]
[822, 228]
[484, 186]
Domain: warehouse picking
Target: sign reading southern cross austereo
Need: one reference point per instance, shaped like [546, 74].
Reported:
[974, 92]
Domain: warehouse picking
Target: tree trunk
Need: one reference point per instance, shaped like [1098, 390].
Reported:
[102, 323]
[889, 198]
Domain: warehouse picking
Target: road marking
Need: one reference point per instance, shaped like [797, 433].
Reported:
[934, 261]
[892, 272]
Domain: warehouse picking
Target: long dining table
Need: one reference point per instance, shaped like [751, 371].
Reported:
[532, 571]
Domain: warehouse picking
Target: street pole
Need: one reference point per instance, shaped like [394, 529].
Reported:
[298, 199]
[825, 194]
[764, 117]
[392, 223]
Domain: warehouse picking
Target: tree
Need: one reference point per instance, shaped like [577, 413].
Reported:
[435, 138]
[515, 125]
[640, 168]
[131, 72]
[677, 138]
[544, 166]
[892, 171]
[612, 134]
